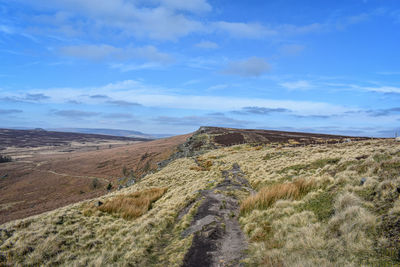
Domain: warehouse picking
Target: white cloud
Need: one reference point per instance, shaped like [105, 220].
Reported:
[217, 87]
[163, 22]
[207, 45]
[291, 49]
[297, 85]
[381, 89]
[147, 95]
[244, 30]
[93, 52]
[251, 67]
[187, 5]
[100, 52]
[131, 67]
[6, 29]
[290, 29]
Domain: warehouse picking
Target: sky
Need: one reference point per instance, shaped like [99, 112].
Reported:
[171, 66]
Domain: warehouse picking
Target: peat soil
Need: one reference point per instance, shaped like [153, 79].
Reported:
[218, 239]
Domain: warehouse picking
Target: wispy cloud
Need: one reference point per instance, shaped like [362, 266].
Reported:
[216, 119]
[27, 97]
[131, 67]
[379, 89]
[250, 67]
[383, 112]
[161, 20]
[74, 114]
[123, 103]
[36, 97]
[118, 116]
[218, 87]
[260, 111]
[99, 97]
[103, 51]
[297, 85]
[132, 93]
[291, 49]
[244, 30]
[207, 45]
[10, 111]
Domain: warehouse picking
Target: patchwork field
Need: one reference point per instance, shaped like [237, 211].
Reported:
[326, 204]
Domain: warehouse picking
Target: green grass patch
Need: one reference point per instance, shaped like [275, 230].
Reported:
[381, 157]
[343, 166]
[311, 166]
[390, 165]
[321, 205]
[367, 193]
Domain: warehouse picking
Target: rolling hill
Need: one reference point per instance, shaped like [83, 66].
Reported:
[228, 197]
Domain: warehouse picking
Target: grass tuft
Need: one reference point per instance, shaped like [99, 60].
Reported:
[270, 194]
[132, 206]
[320, 163]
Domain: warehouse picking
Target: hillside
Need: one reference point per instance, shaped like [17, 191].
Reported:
[47, 177]
[329, 201]
[41, 138]
[111, 132]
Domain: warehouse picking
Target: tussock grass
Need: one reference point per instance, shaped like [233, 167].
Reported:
[83, 235]
[203, 165]
[270, 194]
[333, 221]
[320, 163]
[134, 205]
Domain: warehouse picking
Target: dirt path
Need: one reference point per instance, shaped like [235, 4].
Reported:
[218, 239]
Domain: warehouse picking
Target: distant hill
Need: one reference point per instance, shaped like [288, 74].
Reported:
[39, 137]
[113, 132]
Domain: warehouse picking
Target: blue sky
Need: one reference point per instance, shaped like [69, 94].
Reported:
[170, 66]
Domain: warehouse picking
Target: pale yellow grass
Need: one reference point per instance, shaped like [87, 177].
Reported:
[335, 222]
[339, 222]
[67, 236]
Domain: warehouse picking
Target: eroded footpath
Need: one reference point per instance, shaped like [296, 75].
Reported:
[218, 239]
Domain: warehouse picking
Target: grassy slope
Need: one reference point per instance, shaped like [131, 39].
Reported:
[335, 222]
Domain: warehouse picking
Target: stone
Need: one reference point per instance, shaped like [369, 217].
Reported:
[98, 203]
[363, 180]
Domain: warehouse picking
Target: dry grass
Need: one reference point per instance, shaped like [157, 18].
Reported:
[320, 215]
[131, 206]
[339, 222]
[202, 164]
[77, 236]
[270, 194]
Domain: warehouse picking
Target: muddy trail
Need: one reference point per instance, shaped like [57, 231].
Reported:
[218, 239]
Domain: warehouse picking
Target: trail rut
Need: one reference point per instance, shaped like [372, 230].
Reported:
[218, 239]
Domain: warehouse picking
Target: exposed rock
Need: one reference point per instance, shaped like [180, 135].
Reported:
[218, 239]
[363, 180]
[98, 203]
